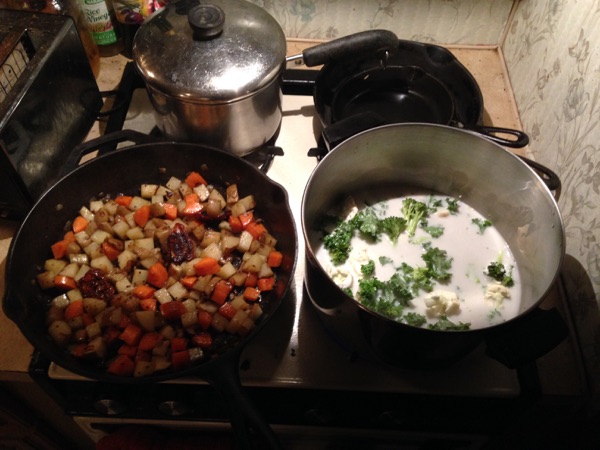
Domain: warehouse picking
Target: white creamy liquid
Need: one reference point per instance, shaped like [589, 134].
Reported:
[470, 250]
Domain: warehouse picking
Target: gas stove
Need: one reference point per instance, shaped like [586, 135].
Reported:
[316, 392]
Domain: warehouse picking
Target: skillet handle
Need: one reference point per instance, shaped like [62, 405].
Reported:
[104, 144]
[245, 418]
[550, 178]
[349, 47]
[520, 141]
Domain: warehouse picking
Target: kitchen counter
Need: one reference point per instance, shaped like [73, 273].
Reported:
[487, 66]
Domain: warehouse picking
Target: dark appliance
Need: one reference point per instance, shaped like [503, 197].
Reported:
[49, 101]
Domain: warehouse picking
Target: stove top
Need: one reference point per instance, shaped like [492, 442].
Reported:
[294, 349]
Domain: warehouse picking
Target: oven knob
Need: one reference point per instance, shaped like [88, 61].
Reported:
[173, 408]
[109, 407]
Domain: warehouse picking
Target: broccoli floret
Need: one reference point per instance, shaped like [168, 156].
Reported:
[368, 269]
[443, 324]
[482, 224]
[438, 263]
[413, 211]
[393, 226]
[337, 242]
[497, 271]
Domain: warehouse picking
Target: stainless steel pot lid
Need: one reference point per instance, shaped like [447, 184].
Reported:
[207, 53]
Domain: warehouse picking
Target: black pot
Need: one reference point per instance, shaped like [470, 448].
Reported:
[452, 162]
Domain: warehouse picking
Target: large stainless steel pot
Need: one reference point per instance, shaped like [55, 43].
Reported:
[448, 161]
[213, 71]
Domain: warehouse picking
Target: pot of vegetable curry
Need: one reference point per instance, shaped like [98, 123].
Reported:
[156, 261]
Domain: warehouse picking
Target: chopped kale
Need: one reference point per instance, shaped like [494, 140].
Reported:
[437, 262]
[443, 324]
[497, 271]
[482, 224]
[368, 269]
[452, 205]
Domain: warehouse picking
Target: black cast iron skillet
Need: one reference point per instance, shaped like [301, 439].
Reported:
[339, 84]
[122, 172]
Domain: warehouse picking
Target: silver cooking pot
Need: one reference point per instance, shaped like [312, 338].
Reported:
[212, 71]
[447, 161]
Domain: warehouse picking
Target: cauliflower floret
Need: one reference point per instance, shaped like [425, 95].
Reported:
[358, 257]
[340, 276]
[496, 293]
[441, 303]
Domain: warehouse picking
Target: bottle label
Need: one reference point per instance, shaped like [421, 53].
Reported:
[133, 11]
[98, 18]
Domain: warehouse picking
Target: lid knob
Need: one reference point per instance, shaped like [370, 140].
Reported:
[206, 21]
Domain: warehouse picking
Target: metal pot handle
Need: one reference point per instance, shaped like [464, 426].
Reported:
[357, 44]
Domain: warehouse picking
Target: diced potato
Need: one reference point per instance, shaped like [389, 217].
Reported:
[93, 306]
[202, 191]
[265, 271]
[139, 277]
[210, 237]
[137, 202]
[168, 332]
[99, 236]
[213, 251]
[160, 363]
[79, 258]
[120, 228]
[45, 279]
[190, 305]
[243, 205]
[86, 214]
[73, 295]
[143, 368]
[227, 271]
[70, 270]
[93, 249]
[161, 348]
[93, 330]
[82, 271]
[255, 311]
[148, 190]
[239, 303]
[177, 290]
[253, 263]
[102, 263]
[123, 285]
[96, 348]
[135, 233]
[61, 301]
[96, 205]
[235, 323]
[54, 265]
[196, 354]
[245, 241]
[126, 258]
[145, 243]
[173, 183]
[189, 319]
[238, 278]
[163, 296]
[229, 243]
[232, 194]
[219, 322]
[60, 331]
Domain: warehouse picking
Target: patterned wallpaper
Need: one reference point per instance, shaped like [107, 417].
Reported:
[442, 21]
[552, 51]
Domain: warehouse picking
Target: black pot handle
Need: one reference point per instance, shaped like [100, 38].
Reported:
[550, 178]
[520, 138]
[528, 338]
[349, 47]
